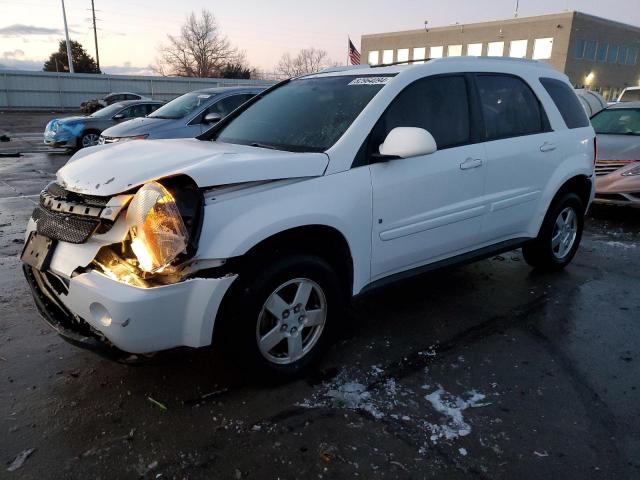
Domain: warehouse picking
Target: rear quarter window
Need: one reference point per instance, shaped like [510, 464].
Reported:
[567, 102]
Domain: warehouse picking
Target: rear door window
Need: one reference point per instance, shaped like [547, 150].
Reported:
[567, 102]
[509, 107]
[439, 105]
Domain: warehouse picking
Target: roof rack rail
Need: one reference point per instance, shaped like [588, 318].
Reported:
[406, 62]
[342, 68]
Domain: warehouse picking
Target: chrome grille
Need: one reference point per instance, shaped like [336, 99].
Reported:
[104, 140]
[605, 167]
[68, 216]
[63, 226]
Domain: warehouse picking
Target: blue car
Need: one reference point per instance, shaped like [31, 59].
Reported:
[184, 117]
[84, 131]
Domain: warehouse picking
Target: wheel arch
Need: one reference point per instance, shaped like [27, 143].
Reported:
[580, 184]
[324, 241]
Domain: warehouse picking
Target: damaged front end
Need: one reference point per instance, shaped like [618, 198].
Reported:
[163, 221]
[118, 272]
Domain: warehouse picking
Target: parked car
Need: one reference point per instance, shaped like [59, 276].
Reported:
[618, 163]
[84, 131]
[96, 104]
[591, 101]
[630, 94]
[187, 116]
[318, 189]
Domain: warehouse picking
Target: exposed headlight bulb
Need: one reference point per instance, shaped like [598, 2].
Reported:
[158, 233]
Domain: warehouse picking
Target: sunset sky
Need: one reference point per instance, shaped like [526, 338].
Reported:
[131, 30]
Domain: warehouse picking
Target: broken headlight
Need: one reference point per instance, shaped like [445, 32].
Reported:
[158, 232]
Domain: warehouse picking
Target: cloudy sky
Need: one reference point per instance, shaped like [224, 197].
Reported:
[131, 30]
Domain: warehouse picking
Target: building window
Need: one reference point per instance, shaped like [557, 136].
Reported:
[542, 48]
[632, 56]
[474, 49]
[601, 56]
[579, 49]
[387, 56]
[374, 57]
[613, 54]
[419, 54]
[403, 55]
[518, 49]
[436, 52]
[622, 55]
[454, 50]
[495, 49]
[590, 50]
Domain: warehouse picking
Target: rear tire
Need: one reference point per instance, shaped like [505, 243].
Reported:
[560, 235]
[280, 317]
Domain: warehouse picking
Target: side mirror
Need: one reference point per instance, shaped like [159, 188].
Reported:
[118, 116]
[210, 118]
[405, 142]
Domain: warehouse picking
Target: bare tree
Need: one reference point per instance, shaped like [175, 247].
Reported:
[308, 60]
[201, 49]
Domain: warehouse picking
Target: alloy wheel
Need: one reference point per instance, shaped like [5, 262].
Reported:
[291, 321]
[90, 139]
[565, 231]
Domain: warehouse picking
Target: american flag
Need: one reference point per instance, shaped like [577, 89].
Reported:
[354, 54]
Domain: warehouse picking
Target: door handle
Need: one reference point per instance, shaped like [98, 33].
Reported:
[547, 147]
[471, 163]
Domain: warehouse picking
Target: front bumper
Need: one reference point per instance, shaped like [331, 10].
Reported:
[97, 312]
[618, 199]
[67, 143]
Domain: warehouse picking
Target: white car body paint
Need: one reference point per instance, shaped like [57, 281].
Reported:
[394, 216]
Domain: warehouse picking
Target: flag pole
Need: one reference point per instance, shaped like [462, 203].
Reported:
[348, 49]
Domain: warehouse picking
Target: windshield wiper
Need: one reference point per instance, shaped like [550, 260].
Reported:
[262, 145]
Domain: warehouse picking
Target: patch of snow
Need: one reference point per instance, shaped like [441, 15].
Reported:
[388, 398]
[451, 407]
[624, 245]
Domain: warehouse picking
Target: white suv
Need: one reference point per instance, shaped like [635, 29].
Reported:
[319, 189]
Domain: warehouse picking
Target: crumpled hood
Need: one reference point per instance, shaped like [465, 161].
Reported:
[136, 126]
[115, 168]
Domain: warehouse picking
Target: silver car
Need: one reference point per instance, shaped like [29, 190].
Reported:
[84, 131]
[184, 117]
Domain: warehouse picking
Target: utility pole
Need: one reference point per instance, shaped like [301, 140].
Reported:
[515, 14]
[66, 33]
[95, 34]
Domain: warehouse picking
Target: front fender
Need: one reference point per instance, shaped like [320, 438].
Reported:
[234, 223]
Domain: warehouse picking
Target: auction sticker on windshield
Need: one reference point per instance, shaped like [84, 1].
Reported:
[370, 81]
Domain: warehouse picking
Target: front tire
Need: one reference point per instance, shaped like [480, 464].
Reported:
[280, 317]
[88, 139]
[560, 235]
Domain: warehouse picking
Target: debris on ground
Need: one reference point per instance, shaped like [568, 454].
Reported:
[161, 406]
[20, 459]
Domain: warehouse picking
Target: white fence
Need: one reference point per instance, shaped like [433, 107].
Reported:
[24, 90]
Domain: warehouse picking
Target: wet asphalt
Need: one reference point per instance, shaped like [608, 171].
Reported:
[487, 371]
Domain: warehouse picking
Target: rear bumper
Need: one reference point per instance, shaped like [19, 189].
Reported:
[105, 315]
